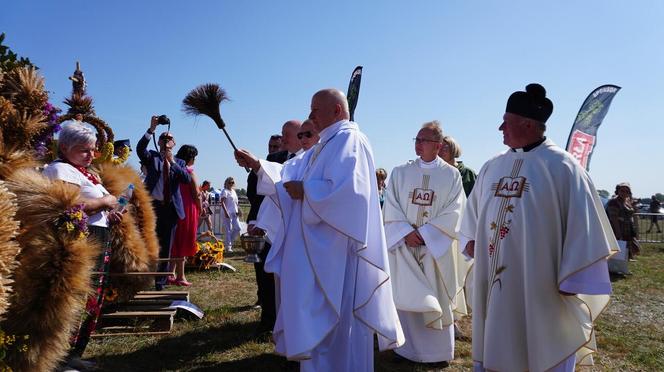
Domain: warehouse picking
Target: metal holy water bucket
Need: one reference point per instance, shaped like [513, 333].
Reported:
[252, 245]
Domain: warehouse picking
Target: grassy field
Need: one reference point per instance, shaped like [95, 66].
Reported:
[630, 331]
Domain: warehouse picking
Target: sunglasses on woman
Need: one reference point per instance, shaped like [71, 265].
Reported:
[307, 134]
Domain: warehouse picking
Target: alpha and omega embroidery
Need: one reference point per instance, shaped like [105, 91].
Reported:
[423, 197]
[511, 187]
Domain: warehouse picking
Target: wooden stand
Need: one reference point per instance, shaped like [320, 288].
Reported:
[147, 313]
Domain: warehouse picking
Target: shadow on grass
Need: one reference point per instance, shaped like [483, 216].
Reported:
[239, 309]
[181, 352]
[617, 277]
[263, 362]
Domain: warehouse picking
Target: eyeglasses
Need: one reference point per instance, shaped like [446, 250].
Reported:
[165, 138]
[421, 140]
[307, 134]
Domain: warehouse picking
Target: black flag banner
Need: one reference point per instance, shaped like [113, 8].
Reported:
[583, 136]
[354, 90]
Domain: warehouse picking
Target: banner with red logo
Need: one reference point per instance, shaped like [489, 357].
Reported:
[583, 137]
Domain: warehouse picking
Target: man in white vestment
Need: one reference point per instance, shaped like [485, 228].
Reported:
[422, 212]
[540, 239]
[330, 258]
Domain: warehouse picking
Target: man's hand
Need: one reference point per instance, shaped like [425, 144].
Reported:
[168, 155]
[414, 239]
[154, 121]
[295, 189]
[255, 231]
[470, 248]
[246, 159]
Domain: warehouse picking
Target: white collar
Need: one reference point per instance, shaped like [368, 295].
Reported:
[428, 165]
[329, 132]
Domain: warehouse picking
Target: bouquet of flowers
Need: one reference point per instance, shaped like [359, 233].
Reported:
[74, 221]
[209, 253]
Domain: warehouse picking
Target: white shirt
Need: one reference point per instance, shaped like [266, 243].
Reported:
[229, 197]
[66, 172]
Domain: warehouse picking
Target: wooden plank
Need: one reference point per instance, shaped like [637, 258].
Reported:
[174, 259]
[171, 297]
[139, 314]
[153, 320]
[161, 292]
[135, 273]
[109, 334]
[141, 302]
[156, 333]
[146, 307]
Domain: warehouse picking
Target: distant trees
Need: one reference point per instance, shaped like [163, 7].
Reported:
[9, 60]
[604, 194]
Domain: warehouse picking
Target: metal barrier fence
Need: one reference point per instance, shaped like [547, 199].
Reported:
[217, 212]
[650, 227]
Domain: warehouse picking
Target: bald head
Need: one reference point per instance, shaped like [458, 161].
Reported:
[328, 106]
[289, 133]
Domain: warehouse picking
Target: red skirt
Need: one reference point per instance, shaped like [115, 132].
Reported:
[184, 242]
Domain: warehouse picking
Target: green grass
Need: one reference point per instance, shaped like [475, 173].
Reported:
[630, 333]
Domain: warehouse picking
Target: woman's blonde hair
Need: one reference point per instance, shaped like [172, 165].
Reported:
[455, 149]
[228, 181]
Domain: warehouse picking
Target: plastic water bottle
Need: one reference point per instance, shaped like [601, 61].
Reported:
[124, 198]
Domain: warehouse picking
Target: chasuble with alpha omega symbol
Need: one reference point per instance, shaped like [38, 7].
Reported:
[537, 221]
[427, 280]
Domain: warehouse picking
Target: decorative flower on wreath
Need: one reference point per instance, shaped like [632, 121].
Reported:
[124, 155]
[44, 141]
[73, 221]
[110, 294]
[11, 344]
[106, 153]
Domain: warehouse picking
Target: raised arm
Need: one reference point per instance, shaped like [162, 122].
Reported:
[142, 145]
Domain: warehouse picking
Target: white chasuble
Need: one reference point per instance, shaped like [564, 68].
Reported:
[331, 258]
[537, 222]
[427, 280]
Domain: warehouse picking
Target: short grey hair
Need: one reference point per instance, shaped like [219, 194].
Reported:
[75, 134]
[434, 126]
[455, 148]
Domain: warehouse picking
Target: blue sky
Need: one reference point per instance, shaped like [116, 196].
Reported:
[454, 61]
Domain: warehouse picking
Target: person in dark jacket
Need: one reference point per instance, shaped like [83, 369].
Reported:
[163, 175]
[265, 282]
